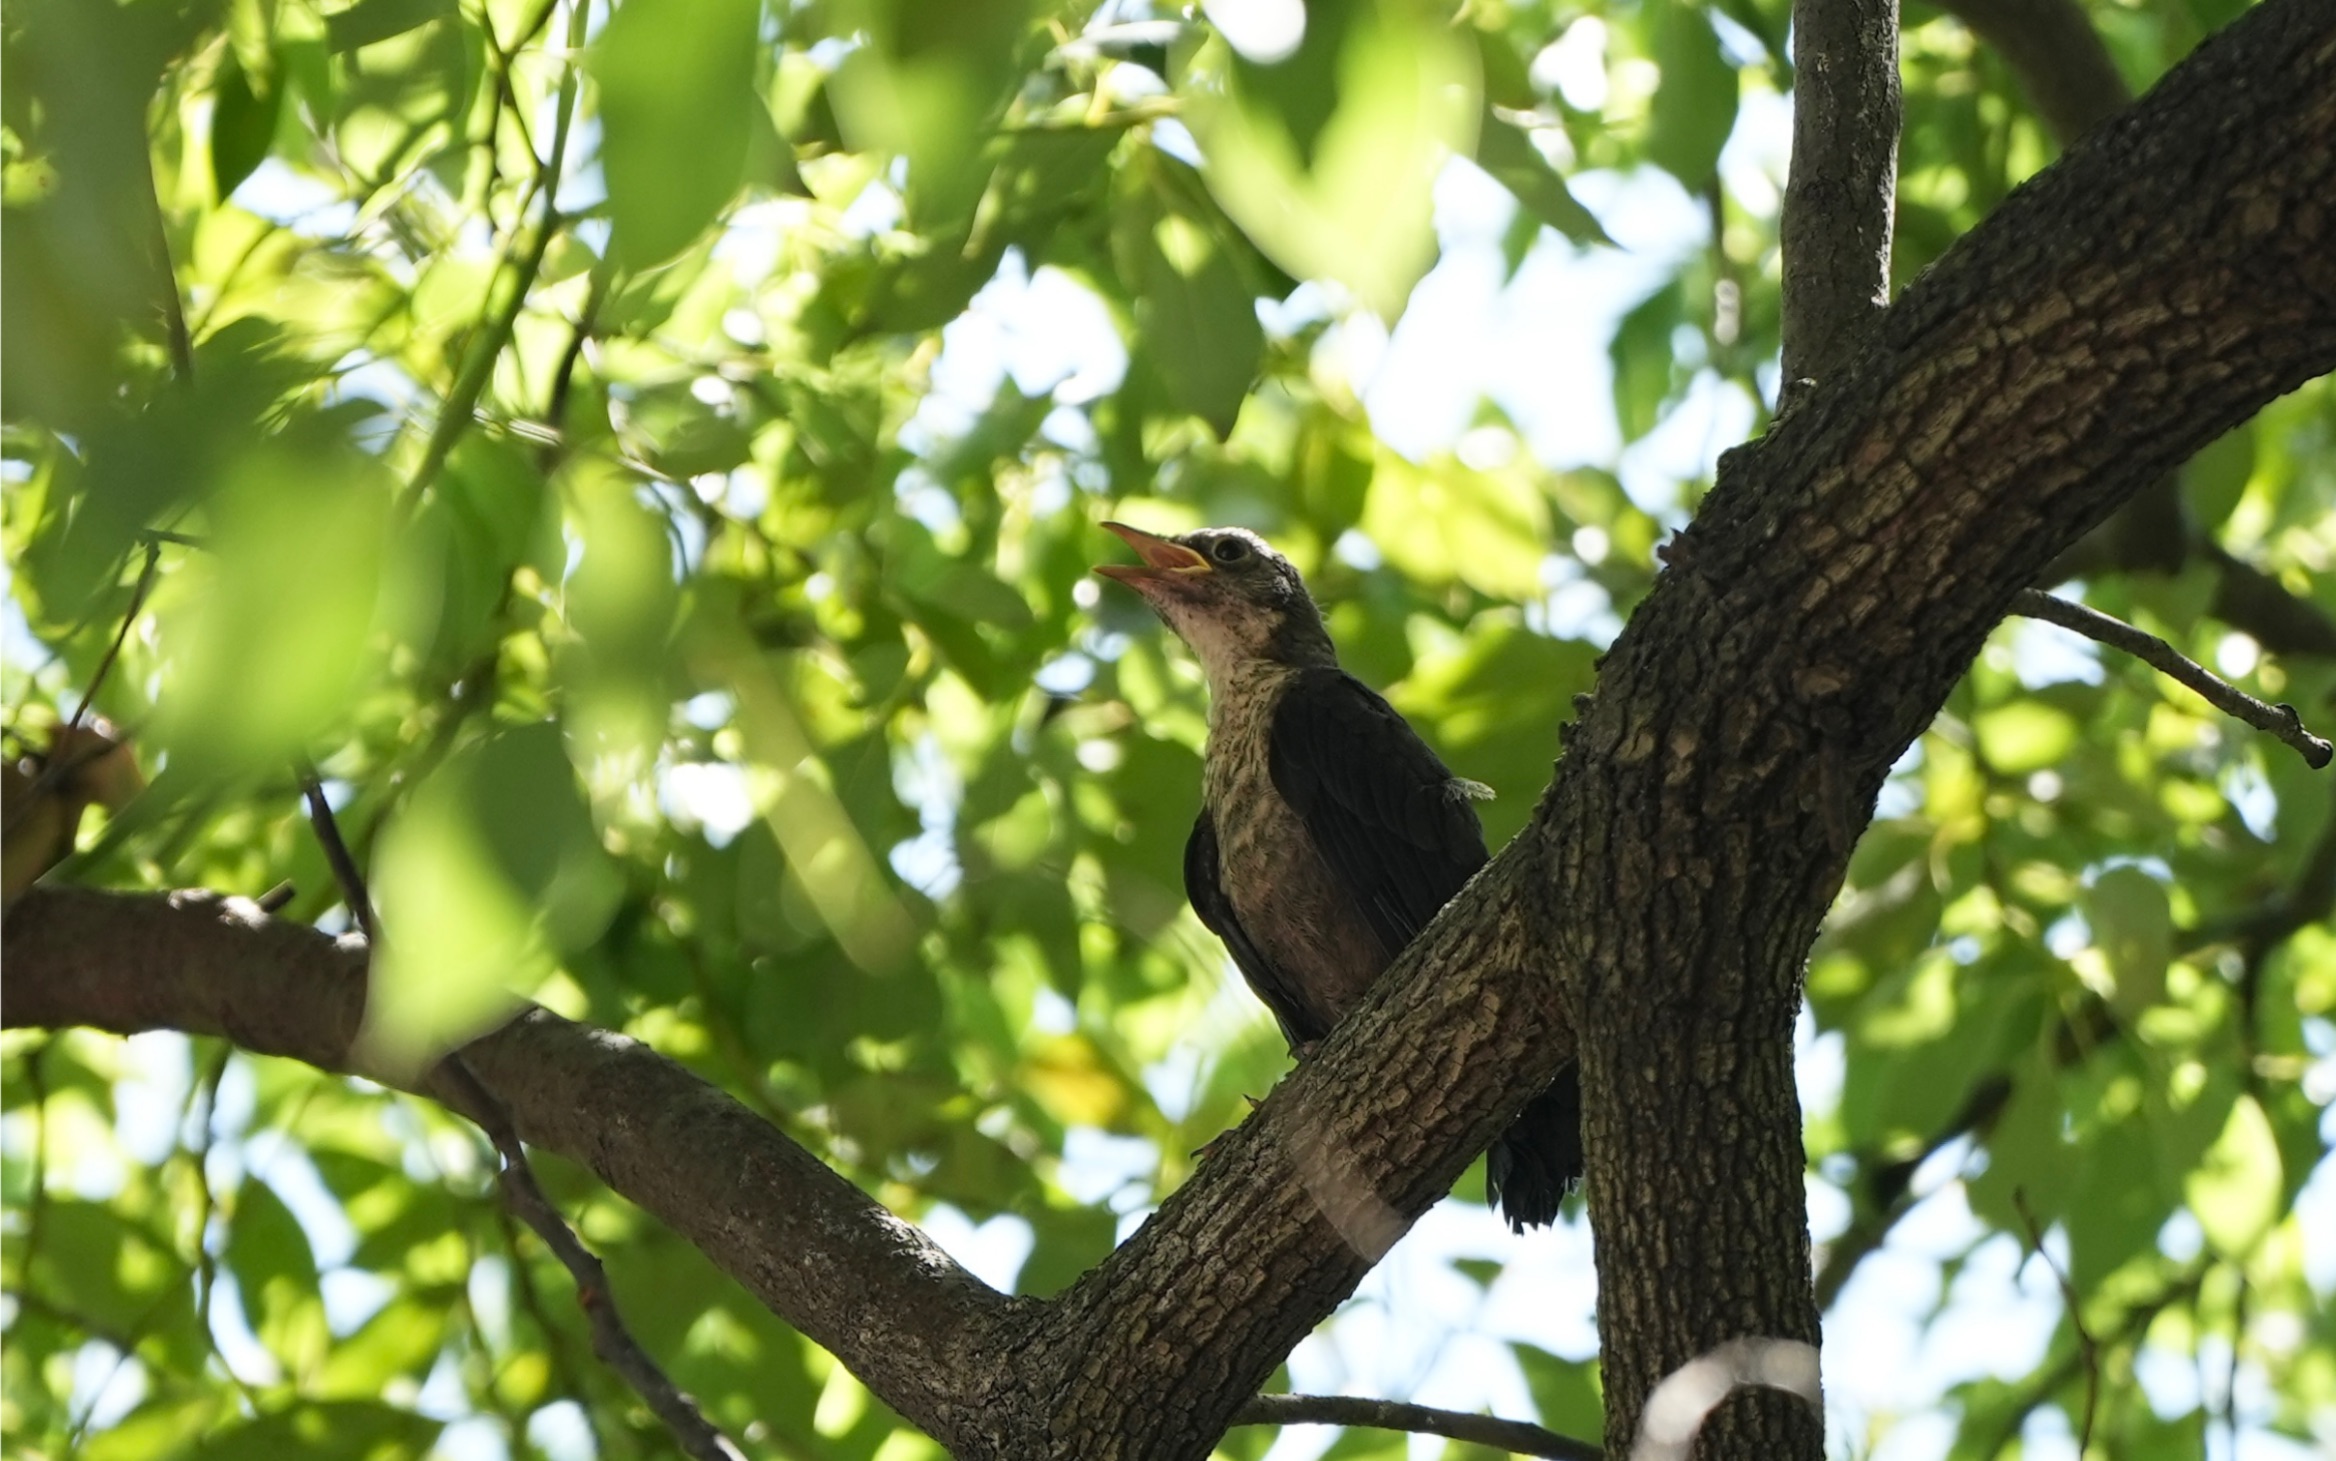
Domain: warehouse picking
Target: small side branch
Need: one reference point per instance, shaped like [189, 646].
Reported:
[2052, 47]
[1835, 229]
[337, 856]
[2088, 1352]
[1394, 1415]
[469, 1095]
[2280, 721]
[610, 1339]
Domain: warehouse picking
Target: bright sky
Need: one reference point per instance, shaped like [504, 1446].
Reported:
[1418, 1329]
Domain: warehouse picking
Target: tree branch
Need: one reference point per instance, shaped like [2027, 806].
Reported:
[2143, 295]
[2052, 47]
[2075, 86]
[2088, 1351]
[2280, 721]
[611, 1340]
[1397, 1415]
[818, 1251]
[1837, 204]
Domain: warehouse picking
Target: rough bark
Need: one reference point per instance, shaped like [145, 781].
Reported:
[1835, 232]
[870, 1288]
[2143, 295]
[2069, 76]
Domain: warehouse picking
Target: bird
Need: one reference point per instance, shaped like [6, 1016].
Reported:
[1329, 833]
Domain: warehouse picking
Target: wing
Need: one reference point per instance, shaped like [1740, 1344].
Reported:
[1390, 818]
[1204, 885]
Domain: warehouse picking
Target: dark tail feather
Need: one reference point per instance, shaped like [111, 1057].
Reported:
[1534, 1162]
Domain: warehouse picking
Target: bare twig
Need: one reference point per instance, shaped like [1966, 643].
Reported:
[1397, 1415]
[454, 415]
[610, 1339]
[2088, 1352]
[2133, 1326]
[1835, 228]
[59, 766]
[336, 854]
[277, 898]
[2280, 721]
[121, 635]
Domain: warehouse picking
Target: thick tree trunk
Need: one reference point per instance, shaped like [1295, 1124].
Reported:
[2150, 292]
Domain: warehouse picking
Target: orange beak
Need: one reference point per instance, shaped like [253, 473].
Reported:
[1164, 560]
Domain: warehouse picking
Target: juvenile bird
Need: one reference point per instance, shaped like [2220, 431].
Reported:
[1329, 834]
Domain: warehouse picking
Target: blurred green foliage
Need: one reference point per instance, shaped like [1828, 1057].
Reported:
[553, 422]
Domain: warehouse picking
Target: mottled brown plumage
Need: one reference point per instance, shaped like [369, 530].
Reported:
[1329, 834]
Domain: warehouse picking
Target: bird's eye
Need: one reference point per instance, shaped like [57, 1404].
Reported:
[1228, 550]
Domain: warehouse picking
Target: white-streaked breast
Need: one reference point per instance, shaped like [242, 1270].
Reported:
[1288, 900]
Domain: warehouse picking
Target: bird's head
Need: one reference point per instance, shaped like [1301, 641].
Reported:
[1228, 595]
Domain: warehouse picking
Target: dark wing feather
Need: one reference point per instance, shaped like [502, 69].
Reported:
[1204, 885]
[1386, 815]
[1383, 810]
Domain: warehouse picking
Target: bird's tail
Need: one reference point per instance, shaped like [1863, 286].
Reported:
[1533, 1163]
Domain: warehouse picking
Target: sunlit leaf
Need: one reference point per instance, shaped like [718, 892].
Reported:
[676, 82]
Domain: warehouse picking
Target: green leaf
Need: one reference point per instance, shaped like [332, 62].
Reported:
[928, 85]
[1196, 321]
[1566, 1392]
[1641, 352]
[1695, 101]
[2134, 930]
[491, 872]
[1504, 150]
[2236, 1191]
[274, 641]
[2024, 735]
[243, 126]
[341, 1430]
[1352, 199]
[2214, 480]
[678, 113]
[371, 21]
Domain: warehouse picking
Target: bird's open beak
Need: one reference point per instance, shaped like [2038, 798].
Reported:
[1164, 560]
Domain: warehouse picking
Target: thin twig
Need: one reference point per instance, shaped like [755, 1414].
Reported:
[174, 316]
[455, 413]
[121, 635]
[2280, 721]
[1397, 1415]
[2088, 1352]
[336, 854]
[58, 766]
[610, 1339]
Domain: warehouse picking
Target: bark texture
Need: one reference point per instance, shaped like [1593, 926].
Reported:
[2141, 297]
[2160, 283]
[870, 1288]
[1835, 231]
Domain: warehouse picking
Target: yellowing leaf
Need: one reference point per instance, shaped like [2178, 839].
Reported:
[2235, 1191]
[1068, 1077]
[2024, 736]
[1446, 523]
